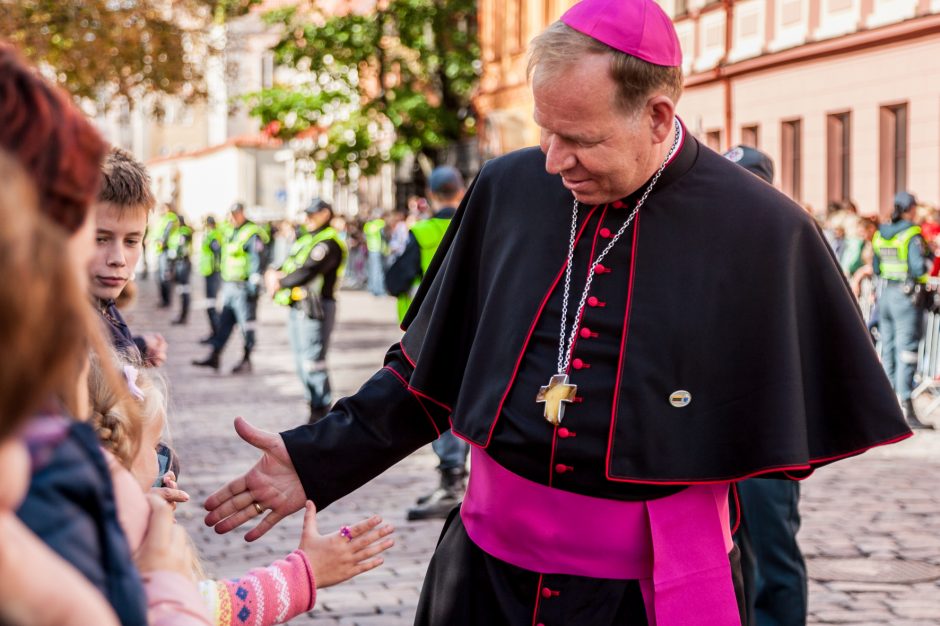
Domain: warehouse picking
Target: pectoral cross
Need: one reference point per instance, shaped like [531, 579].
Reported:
[553, 395]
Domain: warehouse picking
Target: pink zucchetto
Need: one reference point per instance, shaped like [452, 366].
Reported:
[639, 28]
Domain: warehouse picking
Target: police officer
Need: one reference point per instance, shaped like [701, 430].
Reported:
[210, 266]
[900, 260]
[306, 283]
[179, 253]
[373, 230]
[446, 190]
[166, 223]
[242, 264]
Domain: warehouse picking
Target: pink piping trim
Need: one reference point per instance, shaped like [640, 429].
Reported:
[535, 320]
[417, 391]
[408, 388]
[597, 230]
[538, 599]
[623, 346]
[737, 508]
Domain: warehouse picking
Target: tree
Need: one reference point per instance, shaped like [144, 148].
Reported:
[409, 67]
[106, 48]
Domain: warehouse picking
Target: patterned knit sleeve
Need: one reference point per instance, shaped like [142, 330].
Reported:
[263, 596]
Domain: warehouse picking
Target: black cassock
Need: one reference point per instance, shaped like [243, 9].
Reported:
[722, 288]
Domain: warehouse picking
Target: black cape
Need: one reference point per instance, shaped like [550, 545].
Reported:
[735, 296]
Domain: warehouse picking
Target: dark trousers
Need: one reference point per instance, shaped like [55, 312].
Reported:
[774, 570]
[165, 278]
[451, 450]
[238, 307]
[181, 273]
[309, 342]
[212, 292]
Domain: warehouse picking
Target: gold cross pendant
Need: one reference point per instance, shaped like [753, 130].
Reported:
[554, 394]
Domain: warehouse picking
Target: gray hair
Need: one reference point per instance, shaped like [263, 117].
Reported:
[559, 46]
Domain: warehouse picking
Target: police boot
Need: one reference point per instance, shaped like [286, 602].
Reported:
[442, 501]
[317, 413]
[912, 420]
[184, 310]
[244, 366]
[210, 361]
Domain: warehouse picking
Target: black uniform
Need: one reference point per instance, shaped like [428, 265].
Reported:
[722, 287]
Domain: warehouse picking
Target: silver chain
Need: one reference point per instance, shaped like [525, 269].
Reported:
[565, 346]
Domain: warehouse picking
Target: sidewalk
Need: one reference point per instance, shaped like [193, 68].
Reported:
[868, 522]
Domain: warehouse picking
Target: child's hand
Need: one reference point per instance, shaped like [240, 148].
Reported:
[334, 557]
[170, 491]
[166, 546]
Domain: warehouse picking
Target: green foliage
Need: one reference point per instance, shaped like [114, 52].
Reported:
[410, 66]
[122, 47]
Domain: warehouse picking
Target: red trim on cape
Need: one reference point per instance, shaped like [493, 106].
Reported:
[418, 391]
[538, 599]
[410, 390]
[737, 508]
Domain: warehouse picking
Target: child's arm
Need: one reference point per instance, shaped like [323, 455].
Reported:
[288, 587]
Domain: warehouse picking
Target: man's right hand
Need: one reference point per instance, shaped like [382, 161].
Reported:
[272, 483]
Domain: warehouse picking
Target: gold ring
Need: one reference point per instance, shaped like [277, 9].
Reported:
[258, 507]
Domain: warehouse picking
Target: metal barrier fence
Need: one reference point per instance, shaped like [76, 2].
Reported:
[928, 354]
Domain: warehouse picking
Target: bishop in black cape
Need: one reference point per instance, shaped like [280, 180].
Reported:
[722, 288]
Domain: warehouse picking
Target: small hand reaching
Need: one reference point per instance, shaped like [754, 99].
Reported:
[170, 490]
[339, 556]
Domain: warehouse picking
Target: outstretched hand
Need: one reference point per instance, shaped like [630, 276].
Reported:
[337, 557]
[272, 483]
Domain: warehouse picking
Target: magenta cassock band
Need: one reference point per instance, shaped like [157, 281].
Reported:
[677, 547]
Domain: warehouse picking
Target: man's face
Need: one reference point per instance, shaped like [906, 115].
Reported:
[119, 234]
[601, 152]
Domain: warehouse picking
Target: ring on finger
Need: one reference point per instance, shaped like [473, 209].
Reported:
[345, 532]
[258, 507]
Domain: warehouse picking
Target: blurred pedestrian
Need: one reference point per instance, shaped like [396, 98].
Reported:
[242, 266]
[374, 232]
[167, 221]
[180, 251]
[306, 283]
[210, 266]
[901, 260]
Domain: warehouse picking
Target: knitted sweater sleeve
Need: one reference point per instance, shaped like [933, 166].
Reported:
[265, 595]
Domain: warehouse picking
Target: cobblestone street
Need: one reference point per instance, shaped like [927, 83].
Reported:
[883, 507]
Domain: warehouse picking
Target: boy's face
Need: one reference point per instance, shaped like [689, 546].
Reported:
[119, 242]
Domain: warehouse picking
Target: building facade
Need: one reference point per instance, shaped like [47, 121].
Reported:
[843, 94]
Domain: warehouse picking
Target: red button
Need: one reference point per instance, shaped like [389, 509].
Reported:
[600, 269]
[587, 334]
[562, 468]
[593, 301]
[577, 364]
[564, 433]
[540, 624]
[605, 233]
[546, 592]
[618, 204]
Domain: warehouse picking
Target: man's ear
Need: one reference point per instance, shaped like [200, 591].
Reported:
[661, 112]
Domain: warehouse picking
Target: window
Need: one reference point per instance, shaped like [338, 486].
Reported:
[892, 153]
[838, 157]
[750, 136]
[267, 70]
[791, 158]
[713, 140]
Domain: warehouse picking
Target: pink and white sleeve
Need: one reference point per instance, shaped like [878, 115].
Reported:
[263, 596]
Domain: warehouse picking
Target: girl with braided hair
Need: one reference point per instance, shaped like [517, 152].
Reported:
[131, 426]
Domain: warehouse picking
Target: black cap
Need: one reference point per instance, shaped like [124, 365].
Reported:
[904, 201]
[316, 205]
[445, 180]
[753, 160]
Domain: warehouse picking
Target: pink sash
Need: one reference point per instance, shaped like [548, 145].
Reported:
[677, 547]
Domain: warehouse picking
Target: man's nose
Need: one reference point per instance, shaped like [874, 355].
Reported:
[558, 156]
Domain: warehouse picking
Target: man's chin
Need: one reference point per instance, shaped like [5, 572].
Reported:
[106, 293]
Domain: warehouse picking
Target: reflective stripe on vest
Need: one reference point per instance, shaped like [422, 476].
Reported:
[428, 233]
[299, 252]
[210, 262]
[234, 256]
[893, 254]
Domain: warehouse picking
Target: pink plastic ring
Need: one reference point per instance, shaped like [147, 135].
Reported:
[345, 532]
